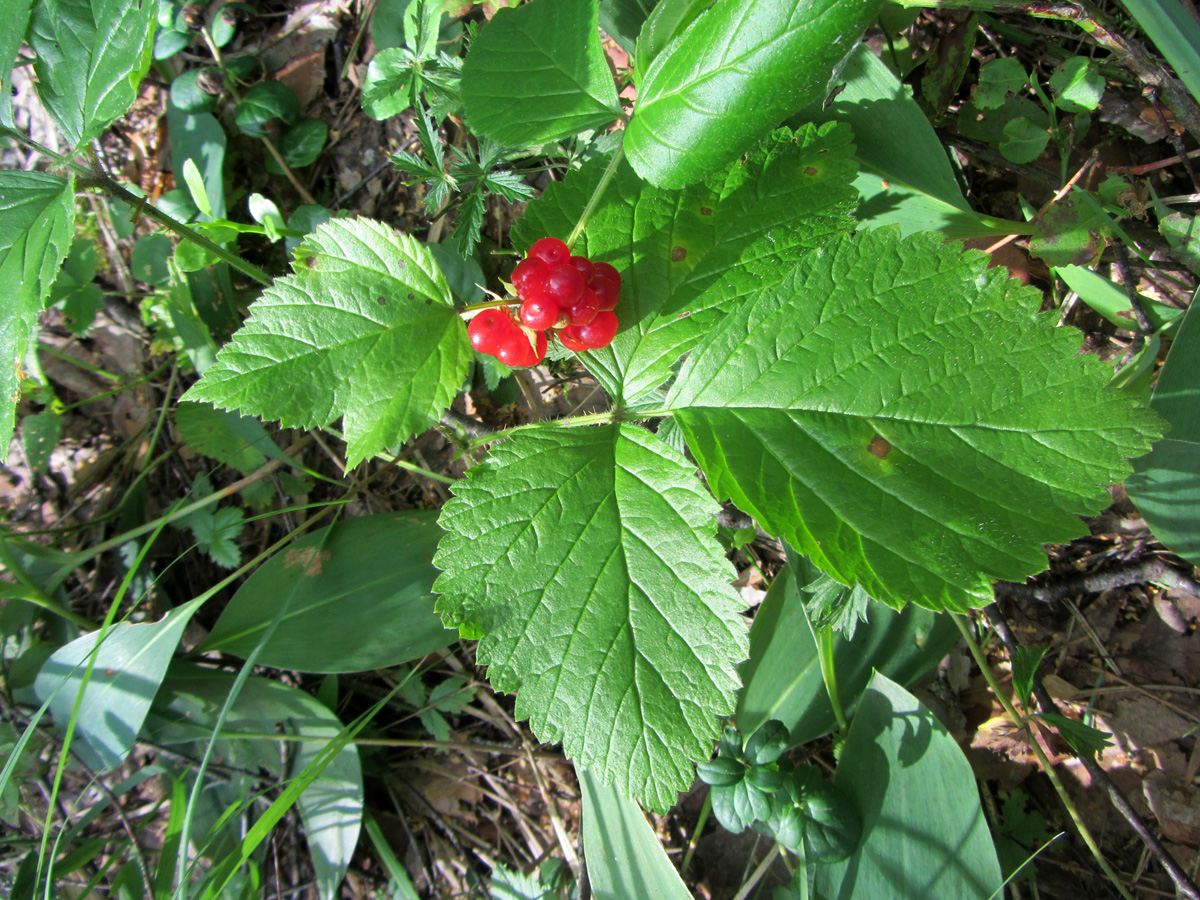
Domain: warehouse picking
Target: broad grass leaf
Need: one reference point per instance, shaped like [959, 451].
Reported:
[130, 665]
[908, 420]
[364, 329]
[587, 559]
[37, 223]
[372, 570]
[896, 759]
[625, 858]
[16, 17]
[1166, 482]
[686, 256]
[331, 807]
[734, 74]
[537, 73]
[91, 56]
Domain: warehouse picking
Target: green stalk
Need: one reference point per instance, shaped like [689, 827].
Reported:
[1021, 722]
[603, 418]
[594, 200]
[696, 832]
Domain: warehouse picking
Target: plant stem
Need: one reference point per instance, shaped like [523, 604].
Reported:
[696, 833]
[829, 673]
[1021, 722]
[604, 418]
[95, 178]
[594, 200]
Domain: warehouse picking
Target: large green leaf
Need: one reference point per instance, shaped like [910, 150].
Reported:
[129, 667]
[907, 420]
[782, 678]
[37, 222]
[1166, 483]
[588, 560]
[625, 858]
[734, 74]
[266, 713]
[924, 835]
[364, 329]
[622, 20]
[685, 256]
[537, 73]
[15, 15]
[91, 56]
[373, 569]
[905, 176]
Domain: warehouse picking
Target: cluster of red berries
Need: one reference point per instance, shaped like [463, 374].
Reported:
[570, 295]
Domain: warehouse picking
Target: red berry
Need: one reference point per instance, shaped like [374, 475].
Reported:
[550, 250]
[603, 268]
[514, 349]
[585, 267]
[538, 314]
[585, 308]
[606, 289]
[565, 285]
[529, 277]
[568, 339]
[599, 332]
[488, 329]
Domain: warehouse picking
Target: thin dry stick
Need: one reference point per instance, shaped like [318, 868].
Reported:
[1062, 192]
[1183, 884]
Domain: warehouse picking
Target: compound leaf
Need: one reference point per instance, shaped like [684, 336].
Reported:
[91, 56]
[687, 255]
[37, 222]
[907, 419]
[734, 74]
[364, 328]
[588, 560]
[548, 50]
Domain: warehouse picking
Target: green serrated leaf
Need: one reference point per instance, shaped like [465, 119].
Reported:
[364, 328]
[833, 605]
[1025, 661]
[386, 92]
[685, 256]
[1084, 739]
[907, 419]
[537, 73]
[588, 560]
[91, 56]
[37, 220]
[714, 92]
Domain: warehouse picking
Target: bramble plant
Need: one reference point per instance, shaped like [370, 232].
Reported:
[902, 416]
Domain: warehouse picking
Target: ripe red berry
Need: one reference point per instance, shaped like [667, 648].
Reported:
[488, 329]
[550, 250]
[603, 268]
[606, 289]
[584, 309]
[514, 349]
[529, 277]
[570, 341]
[538, 314]
[585, 267]
[565, 285]
[599, 332]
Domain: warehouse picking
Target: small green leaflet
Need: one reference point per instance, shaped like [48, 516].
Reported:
[907, 419]
[364, 328]
[588, 560]
[37, 222]
[537, 73]
[734, 74]
[91, 56]
[686, 255]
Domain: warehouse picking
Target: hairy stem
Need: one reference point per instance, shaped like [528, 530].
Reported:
[594, 200]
